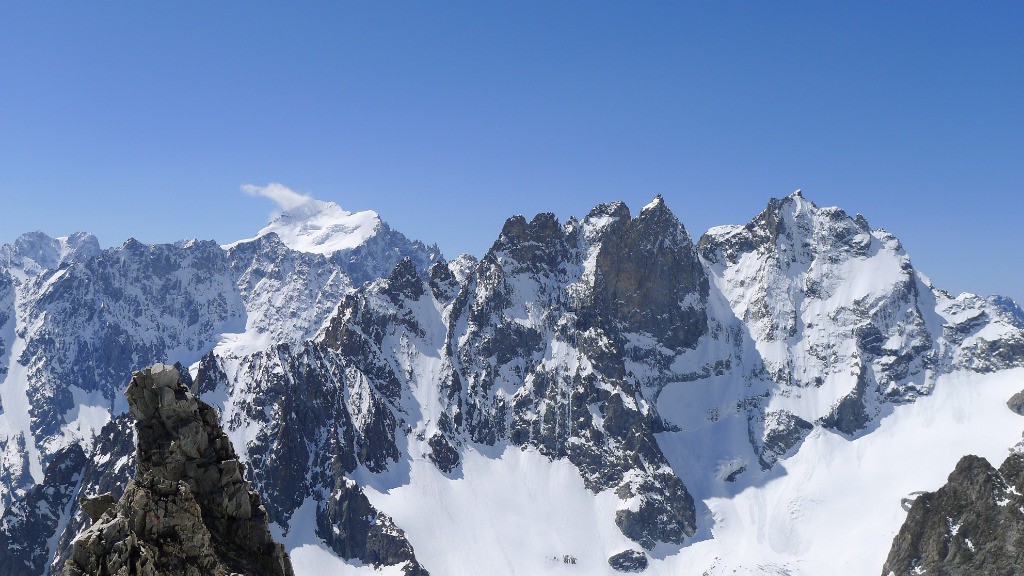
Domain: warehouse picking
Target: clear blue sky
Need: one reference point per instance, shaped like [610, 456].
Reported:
[139, 119]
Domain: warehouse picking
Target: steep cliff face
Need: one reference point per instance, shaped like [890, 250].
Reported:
[189, 509]
[972, 525]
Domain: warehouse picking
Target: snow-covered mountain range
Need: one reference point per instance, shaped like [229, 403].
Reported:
[596, 395]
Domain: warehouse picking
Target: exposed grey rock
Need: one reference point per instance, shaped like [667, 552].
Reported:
[96, 506]
[849, 414]
[310, 441]
[782, 432]
[443, 282]
[355, 529]
[1016, 403]
[405, 281]
[27, 526]
[646, 268]
[442, 453]
[494, 385]
[972, 525]
[629, 561]
[108, 471]
[189, 510]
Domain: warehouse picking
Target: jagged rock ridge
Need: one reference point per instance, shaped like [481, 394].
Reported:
[972, 525]
[189, 510]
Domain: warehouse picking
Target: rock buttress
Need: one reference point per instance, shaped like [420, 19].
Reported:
[189, 510]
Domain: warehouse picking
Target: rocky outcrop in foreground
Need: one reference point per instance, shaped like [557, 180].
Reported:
[189, 510]
[972, 525]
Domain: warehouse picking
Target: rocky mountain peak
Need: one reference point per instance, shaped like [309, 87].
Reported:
[647, 274]
[513, 230]
[189, 510]
[617, 209]
[1007, 310]
[462, 266]
[443, 282]
[405, 281]
[604, 217]
[541, 242]
[796, 231]
[790, 218]
[657, 204]
[545, 227]
[541, 229]
[659, 224]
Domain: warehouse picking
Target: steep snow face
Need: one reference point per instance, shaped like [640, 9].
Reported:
[288, 294]
[834, 505]
[526, 514]
[841, 320]
[321, 227]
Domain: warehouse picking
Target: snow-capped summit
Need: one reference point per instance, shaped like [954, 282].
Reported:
[321, 228]
[658, 202]
[36, 251]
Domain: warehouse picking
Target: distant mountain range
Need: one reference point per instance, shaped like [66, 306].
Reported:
[590, 396]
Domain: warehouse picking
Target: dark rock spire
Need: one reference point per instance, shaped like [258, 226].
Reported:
[189, 510]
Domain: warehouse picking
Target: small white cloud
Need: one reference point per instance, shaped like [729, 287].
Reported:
[284, 196]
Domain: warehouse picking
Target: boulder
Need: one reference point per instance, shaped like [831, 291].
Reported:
[629, 561]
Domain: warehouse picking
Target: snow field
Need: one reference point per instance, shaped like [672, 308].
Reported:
[513, 512]
[834, 505]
